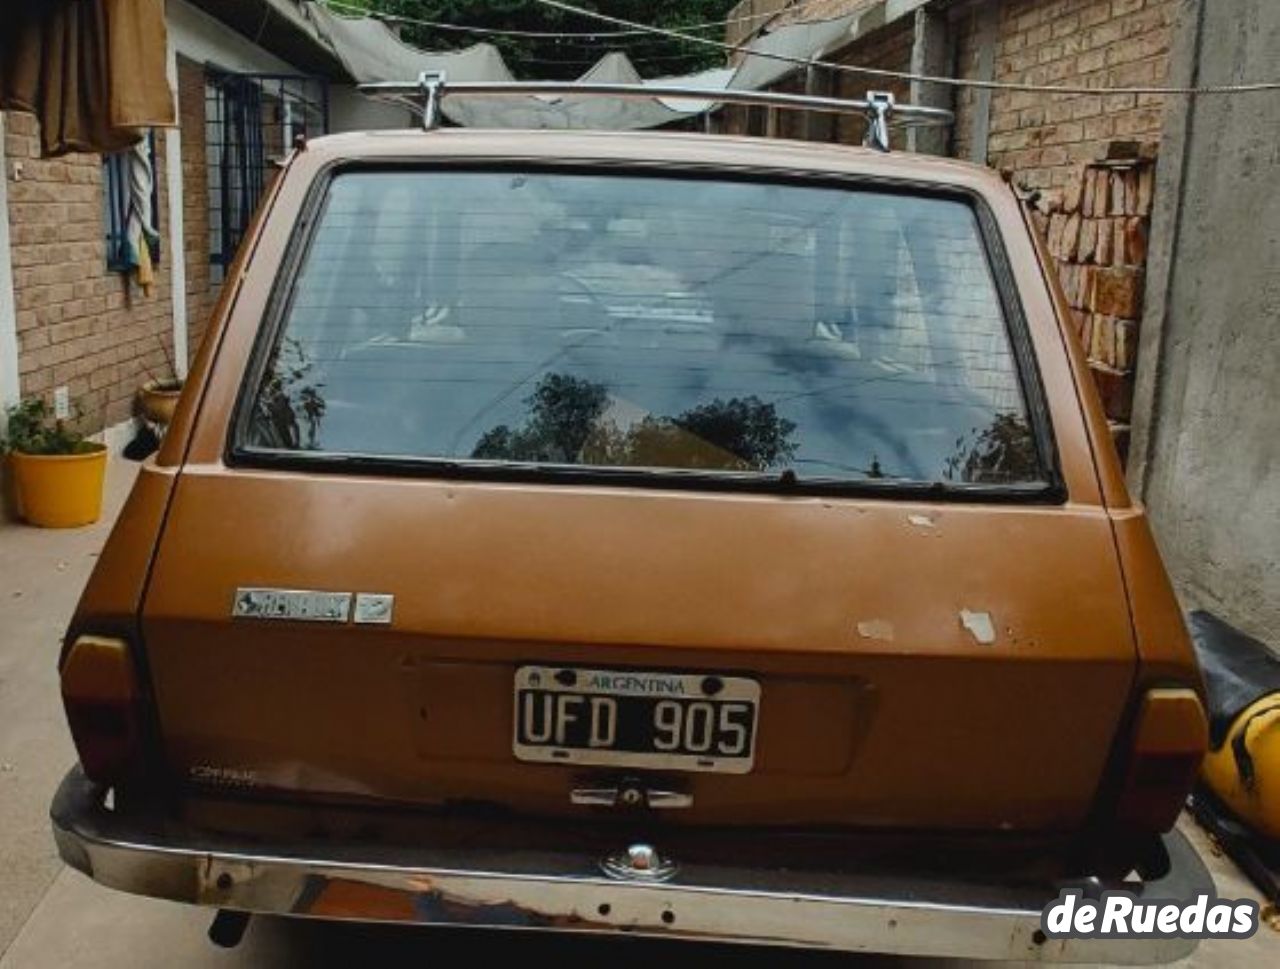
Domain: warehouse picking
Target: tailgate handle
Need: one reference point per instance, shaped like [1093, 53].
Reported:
[630, 794]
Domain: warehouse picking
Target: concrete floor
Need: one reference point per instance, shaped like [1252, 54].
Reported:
[51, 916]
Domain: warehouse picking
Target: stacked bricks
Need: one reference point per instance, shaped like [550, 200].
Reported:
[1097, 229]
[79, 324]
[1045, 138]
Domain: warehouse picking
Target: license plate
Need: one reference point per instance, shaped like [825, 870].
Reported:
[629, 718]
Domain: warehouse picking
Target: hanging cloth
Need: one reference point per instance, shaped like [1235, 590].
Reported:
[92, 71]
[133, 245]
[140, 229]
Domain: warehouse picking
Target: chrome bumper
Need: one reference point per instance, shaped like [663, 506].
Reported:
[438, 885]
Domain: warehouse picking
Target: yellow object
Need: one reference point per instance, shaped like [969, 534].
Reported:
[144, 274]
[1252, 793]
[60, 490]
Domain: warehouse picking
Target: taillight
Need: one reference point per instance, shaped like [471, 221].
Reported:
[104, 707]
[1169, 739]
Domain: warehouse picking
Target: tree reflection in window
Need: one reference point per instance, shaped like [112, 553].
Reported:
[1002, 452]
[568, 424]
[286, 396]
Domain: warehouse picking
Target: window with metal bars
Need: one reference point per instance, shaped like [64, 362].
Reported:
[251, 122]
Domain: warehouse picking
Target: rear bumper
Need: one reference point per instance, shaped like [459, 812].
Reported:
[450, 885]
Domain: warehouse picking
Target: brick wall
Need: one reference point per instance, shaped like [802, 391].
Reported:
[790, 124]
[1091, 156]
[79, 324]
[1046, 139]
[886, 49]
[201, 292]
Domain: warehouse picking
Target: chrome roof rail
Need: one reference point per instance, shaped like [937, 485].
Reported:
[879, 108]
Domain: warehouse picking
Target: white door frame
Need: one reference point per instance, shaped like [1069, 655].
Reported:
[9, 385]
[177, 231]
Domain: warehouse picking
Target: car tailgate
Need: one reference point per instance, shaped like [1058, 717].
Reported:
[957, 666]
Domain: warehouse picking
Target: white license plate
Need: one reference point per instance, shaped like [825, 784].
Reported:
[633, 718]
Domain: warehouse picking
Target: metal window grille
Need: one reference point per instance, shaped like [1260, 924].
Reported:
[117, 200]
[251, 121]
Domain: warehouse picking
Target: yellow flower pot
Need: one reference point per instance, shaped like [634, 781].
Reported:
[60, 490]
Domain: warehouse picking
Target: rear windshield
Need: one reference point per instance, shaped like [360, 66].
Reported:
[647, 323]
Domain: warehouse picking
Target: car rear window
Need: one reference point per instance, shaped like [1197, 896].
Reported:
[662, 324]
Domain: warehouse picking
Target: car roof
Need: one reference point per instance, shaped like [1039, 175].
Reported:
[654, 147]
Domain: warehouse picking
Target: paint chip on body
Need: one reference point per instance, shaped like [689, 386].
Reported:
[921, 521]
[880, 629]
[980, 624]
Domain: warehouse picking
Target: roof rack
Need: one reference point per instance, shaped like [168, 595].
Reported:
[880, 109]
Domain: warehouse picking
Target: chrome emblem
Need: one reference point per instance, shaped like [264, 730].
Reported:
[296, 605]
[373, 607]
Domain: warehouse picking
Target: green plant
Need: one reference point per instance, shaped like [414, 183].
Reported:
[34, 430]
[567, 56]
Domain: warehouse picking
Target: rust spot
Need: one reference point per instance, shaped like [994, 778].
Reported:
[878, 629]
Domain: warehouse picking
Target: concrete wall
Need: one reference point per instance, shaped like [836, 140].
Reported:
[1210, 379]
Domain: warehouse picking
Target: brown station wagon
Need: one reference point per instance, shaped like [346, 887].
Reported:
[693, 536]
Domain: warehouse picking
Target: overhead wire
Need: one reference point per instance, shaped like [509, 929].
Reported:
[1073, 89]
[554, 34]
[635, 29]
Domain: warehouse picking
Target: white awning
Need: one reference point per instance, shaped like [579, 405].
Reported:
[371, 52]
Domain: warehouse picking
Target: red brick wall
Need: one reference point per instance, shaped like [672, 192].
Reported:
[79, 324]
[201, 292]
[1047, 138]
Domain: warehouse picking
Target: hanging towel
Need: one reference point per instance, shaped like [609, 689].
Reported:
[140, 231]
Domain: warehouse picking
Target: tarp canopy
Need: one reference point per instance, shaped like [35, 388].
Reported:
[371, 52]
[92, 71]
